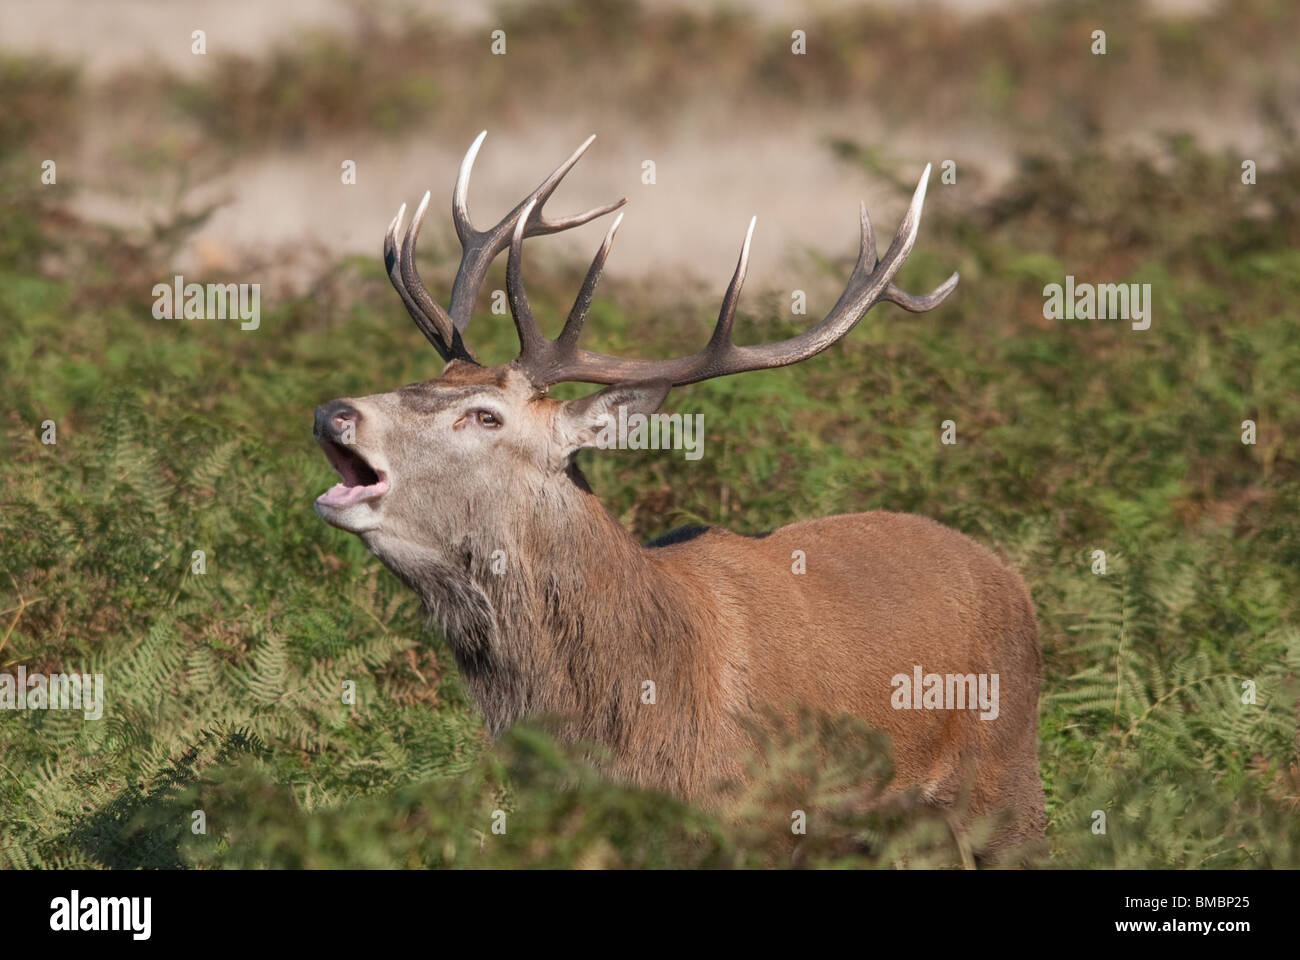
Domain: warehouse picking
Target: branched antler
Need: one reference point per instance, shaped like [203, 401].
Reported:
[548, 362]
[442, 327]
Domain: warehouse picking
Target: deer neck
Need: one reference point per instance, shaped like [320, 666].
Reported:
[557, 611]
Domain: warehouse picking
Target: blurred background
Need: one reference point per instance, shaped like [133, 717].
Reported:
[1074, 435]
[251, 135]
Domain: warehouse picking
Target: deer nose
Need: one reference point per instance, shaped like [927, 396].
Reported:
[335, 419]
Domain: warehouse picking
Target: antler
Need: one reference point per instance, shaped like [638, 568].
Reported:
[547, 362]
[479, 248]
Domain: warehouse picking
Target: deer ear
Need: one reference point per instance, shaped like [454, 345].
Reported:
[592, 421]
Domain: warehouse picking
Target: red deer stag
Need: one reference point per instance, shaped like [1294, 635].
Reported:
[444, 478]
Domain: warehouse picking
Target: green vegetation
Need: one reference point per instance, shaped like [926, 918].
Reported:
[223, 689]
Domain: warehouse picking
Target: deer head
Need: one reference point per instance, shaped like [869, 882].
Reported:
[466, 457]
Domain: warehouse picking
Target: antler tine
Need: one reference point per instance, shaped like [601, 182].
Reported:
[531, 341]
[568, 337]
[436, 326]
[395, 276]
[870, 282]
[482, 246]
[453, 348]
[912, 223]
[903, 240]
[720, 342]
[867, 245]
[924, 302]
[538, 356]
[460, 194]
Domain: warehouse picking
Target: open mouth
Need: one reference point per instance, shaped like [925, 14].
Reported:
[361, 482]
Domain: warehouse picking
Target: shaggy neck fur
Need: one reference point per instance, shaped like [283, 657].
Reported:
[573, 621]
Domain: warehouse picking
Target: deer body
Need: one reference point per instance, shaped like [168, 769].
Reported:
[465, 487]
[724, 628]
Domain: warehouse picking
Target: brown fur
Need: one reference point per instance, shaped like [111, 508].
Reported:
[583, 615]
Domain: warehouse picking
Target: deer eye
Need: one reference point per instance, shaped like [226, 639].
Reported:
[486, 418]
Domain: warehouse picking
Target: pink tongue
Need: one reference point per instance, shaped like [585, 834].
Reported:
[341, 494]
